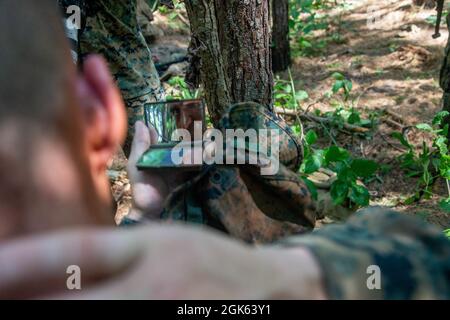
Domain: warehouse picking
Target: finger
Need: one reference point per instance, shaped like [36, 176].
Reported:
[141, 142]
[38, 265]
[153, 135]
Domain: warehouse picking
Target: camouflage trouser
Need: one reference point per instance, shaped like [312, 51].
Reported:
[112, 30]
[411, 257]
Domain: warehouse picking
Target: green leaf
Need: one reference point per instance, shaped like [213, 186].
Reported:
[339, 191]
[411, 200]
[360, 195]
[354, 118]
[445, 205]
[338, 85]
[441, 143]
[305, 44]
[314, 162]
[311, 137]
[424, 127]
[364, 168]
[311, 187]
[348, 85]
[296, 129]
[336, 154]
[401, 138]
[440, 117]
[338, 76]
[447, 233]
[301, 95]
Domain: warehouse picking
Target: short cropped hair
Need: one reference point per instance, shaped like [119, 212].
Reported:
[33, 55]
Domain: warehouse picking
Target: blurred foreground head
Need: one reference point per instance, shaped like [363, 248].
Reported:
[58, 128]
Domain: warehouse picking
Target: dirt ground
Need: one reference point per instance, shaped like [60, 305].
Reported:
[394, 66]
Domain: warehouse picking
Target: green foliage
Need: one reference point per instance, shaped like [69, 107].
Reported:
[345, 189]
[447, 233]
[175, 17]
[304, 19]
[341, 83]
[432, 20]
[431, 162]
[346, 111]
[286, 95]
[307, 16]
[180, 90]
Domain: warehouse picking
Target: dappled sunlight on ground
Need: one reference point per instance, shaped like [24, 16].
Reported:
[394, 65]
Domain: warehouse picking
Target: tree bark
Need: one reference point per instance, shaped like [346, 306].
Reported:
[281, 51]
[233, 38]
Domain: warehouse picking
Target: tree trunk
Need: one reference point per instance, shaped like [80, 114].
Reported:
[281, 51]
[233, 38]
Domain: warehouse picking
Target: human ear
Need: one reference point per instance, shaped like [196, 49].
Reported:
[103, 112]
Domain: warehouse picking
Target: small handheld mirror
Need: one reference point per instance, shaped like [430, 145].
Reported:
[180, 125]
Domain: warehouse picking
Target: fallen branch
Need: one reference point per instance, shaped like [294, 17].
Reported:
[321, 120]
[393, 123]
[398, 119]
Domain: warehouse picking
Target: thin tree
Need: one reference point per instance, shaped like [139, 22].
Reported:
[281, 51]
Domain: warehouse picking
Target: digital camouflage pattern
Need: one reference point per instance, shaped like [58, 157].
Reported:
[413, 256]
[241, 201]
[112, 30]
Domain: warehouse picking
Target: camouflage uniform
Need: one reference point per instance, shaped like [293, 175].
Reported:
[112, 30]
[413, 257]
[238, 199]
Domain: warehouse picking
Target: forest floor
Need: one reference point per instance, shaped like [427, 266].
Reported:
[394, 67]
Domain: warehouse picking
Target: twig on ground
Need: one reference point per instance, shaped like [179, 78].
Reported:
[391, 144]
[393, 123]
[320, 120]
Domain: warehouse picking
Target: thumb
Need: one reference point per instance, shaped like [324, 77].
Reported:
[141, 142]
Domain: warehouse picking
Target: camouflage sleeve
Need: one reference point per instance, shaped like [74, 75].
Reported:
[381, 254]
[112, 30]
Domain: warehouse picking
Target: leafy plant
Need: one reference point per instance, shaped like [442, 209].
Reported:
[342, 84]
[432, 20]
[304, 19]
[180, 90]
[447, 233]
[346, 188]
[286, 95]
[431, 162]
[175, 16]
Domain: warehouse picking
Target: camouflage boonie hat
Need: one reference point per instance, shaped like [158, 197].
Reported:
[251, 115]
